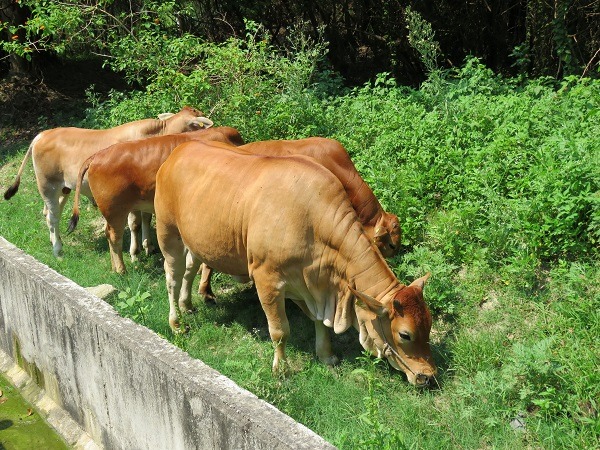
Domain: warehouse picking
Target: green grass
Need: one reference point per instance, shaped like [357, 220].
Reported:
[496, 185]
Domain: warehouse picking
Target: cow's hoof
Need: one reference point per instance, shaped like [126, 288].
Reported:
[180, 330]
[190, 310]
[282, 370]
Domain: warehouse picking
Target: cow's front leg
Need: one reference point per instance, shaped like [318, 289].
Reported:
[204, 287]
[323, 345]
[271, 293]
[146, 241]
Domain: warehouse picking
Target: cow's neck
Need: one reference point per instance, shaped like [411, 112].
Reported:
[140, 129]
[364, 202]
[363, 266]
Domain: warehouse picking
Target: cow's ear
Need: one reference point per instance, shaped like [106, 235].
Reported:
[198, 123]
[206, 122]
[420, 282]
[165, 116]
[367, 302]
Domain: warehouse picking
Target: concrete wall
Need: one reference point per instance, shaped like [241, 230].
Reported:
[121, 384]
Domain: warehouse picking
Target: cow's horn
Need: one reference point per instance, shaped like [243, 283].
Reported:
[165, 116]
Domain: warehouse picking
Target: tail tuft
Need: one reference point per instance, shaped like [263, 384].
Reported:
[73, 222]
[13, 189]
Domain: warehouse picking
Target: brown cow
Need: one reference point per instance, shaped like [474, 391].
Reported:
[287, 223]
[122, 179]
[382, 227]
[59, 153]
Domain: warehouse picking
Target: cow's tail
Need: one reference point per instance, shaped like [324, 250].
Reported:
[75, 217]
[12, 190]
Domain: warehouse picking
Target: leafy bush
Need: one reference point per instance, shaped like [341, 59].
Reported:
[521, 178]
[244, 83]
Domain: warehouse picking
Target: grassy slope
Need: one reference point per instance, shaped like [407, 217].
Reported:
[506, 348]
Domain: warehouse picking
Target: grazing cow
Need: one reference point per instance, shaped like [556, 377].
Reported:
[287, 224]
[122, 178]
[59, 153]
[382, 227]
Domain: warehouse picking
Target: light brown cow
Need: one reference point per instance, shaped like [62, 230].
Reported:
[382, 227]
[59, 153]
[287, 223]
[122, 178]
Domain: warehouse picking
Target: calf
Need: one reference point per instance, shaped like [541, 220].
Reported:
[287, 223]
[59, 153]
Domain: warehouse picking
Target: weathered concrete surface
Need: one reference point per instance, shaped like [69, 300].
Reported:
[121, 383]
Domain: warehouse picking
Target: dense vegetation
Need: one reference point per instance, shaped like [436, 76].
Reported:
[497, 184]
[536, 37]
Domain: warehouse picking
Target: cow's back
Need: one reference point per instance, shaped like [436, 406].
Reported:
[333, 156]
[129, 168]
[59, 153]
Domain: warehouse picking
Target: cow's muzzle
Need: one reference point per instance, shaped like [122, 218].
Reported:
[422, 380]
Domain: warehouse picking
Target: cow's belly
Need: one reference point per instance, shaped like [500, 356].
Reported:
[221, 255]
[237, 267]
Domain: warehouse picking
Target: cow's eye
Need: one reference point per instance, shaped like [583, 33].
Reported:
[405, 336]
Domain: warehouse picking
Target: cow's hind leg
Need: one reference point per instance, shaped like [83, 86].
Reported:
[137, 221]
[204, 287]
[175, 264]
[115, 227]
[271, 293]
[146, 232]
[185, 295]
[54, 202]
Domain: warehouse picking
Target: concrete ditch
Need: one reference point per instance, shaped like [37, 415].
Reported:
[105, 382]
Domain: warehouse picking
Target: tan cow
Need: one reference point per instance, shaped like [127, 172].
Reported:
[122, 178]
[382, 227]
[59, 153]
[286, 223]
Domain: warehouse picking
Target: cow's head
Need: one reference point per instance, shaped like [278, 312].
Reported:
[388, 235]
[188, 119]
[398, 329]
